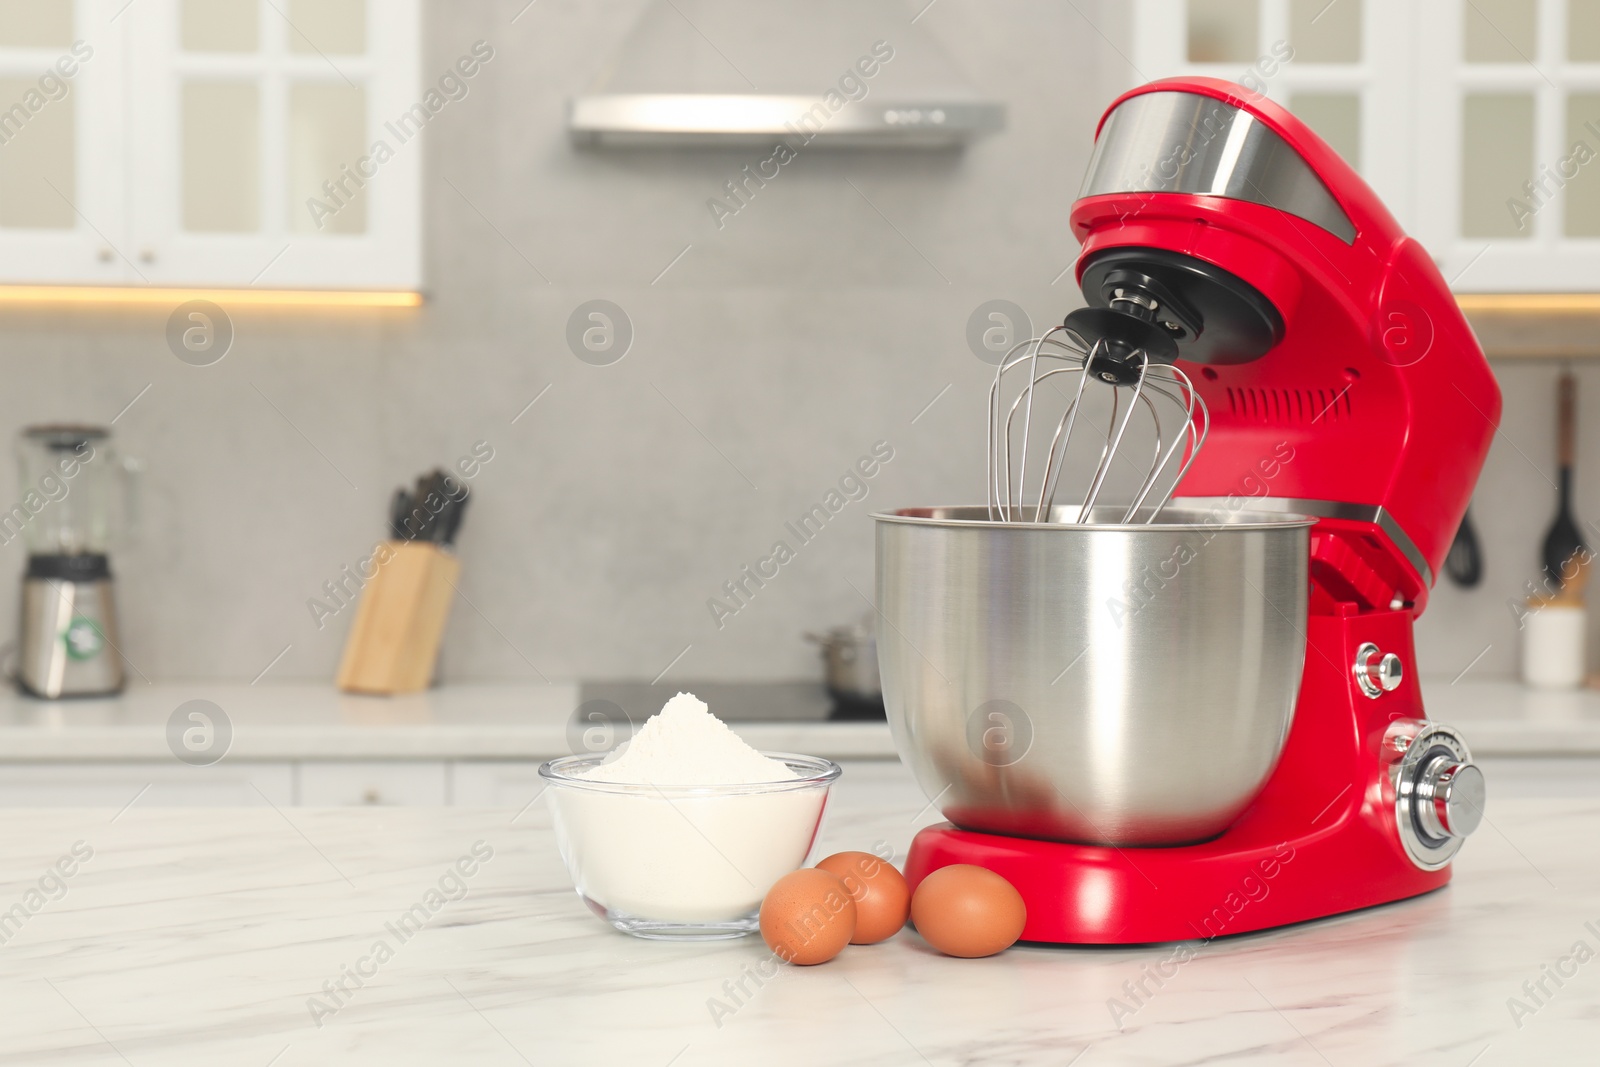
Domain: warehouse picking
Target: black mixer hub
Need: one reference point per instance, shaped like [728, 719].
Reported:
[1120, 344]
[1211, 314]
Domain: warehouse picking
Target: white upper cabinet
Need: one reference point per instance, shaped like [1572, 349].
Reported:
[261, 143]
[60, 145]
[1508, 142]
[1476, 121]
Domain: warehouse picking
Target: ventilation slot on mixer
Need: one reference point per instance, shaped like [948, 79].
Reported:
[1289, 405]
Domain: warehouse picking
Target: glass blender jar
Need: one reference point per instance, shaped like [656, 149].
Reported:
[68, 641]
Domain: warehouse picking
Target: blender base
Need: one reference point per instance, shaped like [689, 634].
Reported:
[1321, 839]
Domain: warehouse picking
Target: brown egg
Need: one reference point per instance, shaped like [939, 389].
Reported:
[883, 900]
[808, 917]
[968, 911]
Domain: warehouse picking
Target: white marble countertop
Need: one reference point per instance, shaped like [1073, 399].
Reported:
[200, 937]
[531, 722]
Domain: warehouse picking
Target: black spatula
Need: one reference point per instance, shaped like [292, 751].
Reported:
[1564, 539]
[1464, 563]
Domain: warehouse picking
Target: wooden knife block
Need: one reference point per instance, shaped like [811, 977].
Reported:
[394, 642]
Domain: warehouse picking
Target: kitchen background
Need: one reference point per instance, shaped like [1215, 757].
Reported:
[769, 354]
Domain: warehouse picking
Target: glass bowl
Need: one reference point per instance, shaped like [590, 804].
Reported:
[678, 862]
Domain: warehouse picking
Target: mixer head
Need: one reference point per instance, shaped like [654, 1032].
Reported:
[1224, 240]
[1148, 307]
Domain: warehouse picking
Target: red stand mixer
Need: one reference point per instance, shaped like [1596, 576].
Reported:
[1262, 679]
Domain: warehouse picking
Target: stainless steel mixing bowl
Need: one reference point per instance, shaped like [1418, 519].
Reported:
[1107, 684]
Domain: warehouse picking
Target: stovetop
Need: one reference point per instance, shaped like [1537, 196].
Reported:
[736, 701]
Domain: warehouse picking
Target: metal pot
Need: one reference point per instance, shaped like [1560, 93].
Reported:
[850, 656]
[1101, 683]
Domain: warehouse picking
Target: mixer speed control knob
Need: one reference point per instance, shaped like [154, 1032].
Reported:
[1377, 673]
[1450, 797]
[1438, 792]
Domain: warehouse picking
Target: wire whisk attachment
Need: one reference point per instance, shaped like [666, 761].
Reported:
[1176, 413]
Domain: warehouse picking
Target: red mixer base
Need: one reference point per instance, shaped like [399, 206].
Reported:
[1242, 881]
[1321, 838]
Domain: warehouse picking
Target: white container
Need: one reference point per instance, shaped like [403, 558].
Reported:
[683, 862]
[1554, 643]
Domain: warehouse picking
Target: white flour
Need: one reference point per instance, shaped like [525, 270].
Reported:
[684, 744]
[684, 858]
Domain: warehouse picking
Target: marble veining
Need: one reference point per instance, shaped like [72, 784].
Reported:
[207, 937]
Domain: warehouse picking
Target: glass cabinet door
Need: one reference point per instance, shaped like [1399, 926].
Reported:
[60, 197]
[258, 140]
[1508, 143]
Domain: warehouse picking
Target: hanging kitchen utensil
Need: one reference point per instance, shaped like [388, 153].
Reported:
[1564, 539]
[1464, 564]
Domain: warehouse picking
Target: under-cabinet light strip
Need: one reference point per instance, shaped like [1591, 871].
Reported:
[96, 294]
[1529, 302]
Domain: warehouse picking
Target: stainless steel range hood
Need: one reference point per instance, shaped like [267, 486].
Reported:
[809, 72]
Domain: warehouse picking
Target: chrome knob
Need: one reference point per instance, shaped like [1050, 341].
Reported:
[1377, 673]
[1450, 798]
[1437, 791]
